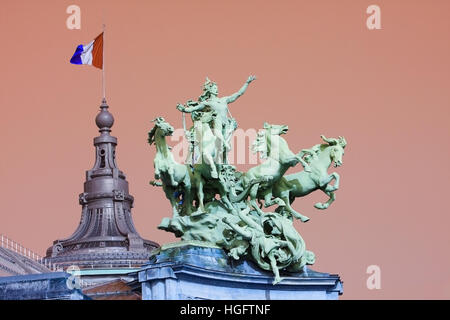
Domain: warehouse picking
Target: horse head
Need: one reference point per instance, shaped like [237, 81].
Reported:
[276, 129]
[165, 128]
[336, 149]
[264, 141]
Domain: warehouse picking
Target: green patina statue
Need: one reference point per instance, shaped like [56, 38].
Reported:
[214, 203]
[222, 126]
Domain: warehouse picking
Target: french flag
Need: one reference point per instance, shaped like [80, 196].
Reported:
[90, 54]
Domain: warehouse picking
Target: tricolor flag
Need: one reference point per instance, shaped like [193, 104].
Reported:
[91, 54]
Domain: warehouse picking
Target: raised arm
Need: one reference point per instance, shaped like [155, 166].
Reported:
[241, 91]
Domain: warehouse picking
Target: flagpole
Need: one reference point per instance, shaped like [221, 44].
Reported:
[103, 65]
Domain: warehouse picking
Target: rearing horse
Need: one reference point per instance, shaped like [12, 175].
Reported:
[175, 177]
[320, 158]
[258, 181]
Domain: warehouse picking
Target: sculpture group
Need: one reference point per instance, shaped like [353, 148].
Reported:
[215, 203]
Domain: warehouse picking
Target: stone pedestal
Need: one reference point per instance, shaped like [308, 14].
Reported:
[195, 270]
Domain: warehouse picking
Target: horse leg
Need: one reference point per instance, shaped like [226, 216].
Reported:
[294, 213]
[200, 194]
[253, 196]
[171, 173]
[188, 202]
[157, 174]
[336, 183]
[187, 193]
[269, 202]
[325, 205]
[224, 198]
[210, 162]
[173, 201]
[227, 202]
[324, 182]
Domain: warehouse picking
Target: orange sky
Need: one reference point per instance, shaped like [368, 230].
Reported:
[320, 71]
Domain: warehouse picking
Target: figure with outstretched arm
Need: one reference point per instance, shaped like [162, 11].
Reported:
[241, 91]
[209, 98]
